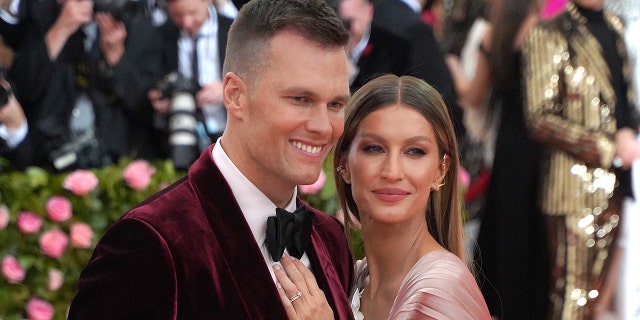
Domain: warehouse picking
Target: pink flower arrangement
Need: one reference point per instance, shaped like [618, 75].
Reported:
[38, 309]
[81, 182]
[53, 243]
[315, 187]
[55, 280]
[28, 222]
[464, 178]
[12, 270]
[4, 216]
[137, 174]
[59, 209]
[81, 235]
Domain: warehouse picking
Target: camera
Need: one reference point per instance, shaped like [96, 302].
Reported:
[121, 10]
[182, 120]
[77, 152]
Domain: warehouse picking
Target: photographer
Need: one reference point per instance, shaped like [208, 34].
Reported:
[15, 143]
[195, 48]
[83, 70]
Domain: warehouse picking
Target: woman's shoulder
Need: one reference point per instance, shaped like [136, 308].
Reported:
[440, 283]
[439, 267]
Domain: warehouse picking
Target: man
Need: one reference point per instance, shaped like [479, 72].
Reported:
[195, 46]
[15, 142]
[197, 250]
[373, 50]
[402, 17]
[580, 106]
[82, 78]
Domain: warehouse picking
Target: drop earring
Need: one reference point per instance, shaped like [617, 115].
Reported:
[342, 171]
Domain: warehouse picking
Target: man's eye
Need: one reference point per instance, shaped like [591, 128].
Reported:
[299, 100]
[336, 106]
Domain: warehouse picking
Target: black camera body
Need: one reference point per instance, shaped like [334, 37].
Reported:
[77, 152]
[121, 10]
[182, 120]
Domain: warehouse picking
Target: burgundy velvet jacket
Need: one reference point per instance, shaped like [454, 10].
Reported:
[188, 253]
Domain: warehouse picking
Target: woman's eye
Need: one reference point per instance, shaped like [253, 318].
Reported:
[416, 152]
[373, 149]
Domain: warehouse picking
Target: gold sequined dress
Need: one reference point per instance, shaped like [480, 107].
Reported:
[577, 81]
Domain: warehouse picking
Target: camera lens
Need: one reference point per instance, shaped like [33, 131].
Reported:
[182, 127]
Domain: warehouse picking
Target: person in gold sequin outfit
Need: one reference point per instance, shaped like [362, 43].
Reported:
[580, 107]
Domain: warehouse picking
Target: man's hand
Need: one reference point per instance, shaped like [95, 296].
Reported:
[627, 147]
[160, 104]
[11, 114]
[74, 14]
[112, 36]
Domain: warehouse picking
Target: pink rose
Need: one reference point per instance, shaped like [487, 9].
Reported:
[28, 222]
[12, 270]
[59, 209]
[81, 235]
[80, 182]
[56, 279]
[38, 309]
[53, 243]
[138, 174]
[4, 216]
[315, 187]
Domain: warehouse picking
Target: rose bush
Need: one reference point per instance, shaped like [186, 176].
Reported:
[49, 224]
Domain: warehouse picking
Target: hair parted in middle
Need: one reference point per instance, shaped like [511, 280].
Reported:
[444, 210]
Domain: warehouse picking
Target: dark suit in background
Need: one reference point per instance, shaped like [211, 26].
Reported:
[427, 61]
[384, 53]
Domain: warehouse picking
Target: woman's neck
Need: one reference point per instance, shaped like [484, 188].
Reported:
[391, 253]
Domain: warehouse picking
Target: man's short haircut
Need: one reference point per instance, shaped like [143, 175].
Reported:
[260, 20]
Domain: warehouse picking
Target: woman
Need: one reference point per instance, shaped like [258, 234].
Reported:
[397, 172]
[511, 249]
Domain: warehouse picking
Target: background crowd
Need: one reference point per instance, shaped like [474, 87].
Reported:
[90, 82]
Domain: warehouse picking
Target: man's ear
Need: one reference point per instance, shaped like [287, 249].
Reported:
[234, 95]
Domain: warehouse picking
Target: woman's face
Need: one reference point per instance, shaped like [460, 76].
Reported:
[393, 164]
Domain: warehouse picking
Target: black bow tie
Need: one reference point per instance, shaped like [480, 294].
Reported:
[289, 230]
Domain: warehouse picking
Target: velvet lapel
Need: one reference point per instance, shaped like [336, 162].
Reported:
[242, 255]
[324, 270]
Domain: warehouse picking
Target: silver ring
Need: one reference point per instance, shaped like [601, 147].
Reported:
[295, 297]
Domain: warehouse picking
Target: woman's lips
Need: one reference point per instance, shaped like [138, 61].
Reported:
[390, 194]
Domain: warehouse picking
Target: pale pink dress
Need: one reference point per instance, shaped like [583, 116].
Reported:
[439, 286]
